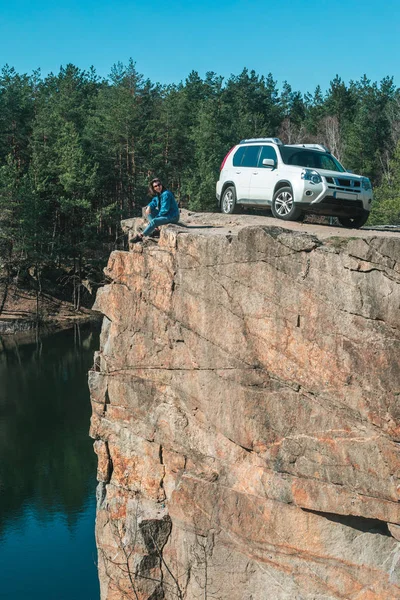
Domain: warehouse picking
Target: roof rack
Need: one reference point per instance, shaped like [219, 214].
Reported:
[319, 147]
[256, 140]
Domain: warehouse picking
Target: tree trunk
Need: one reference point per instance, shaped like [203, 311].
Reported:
[38, 295]
[8, 278]
[5, 293]
[74, 284]
[78, 301]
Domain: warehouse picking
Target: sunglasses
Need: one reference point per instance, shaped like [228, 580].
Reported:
[157, 184]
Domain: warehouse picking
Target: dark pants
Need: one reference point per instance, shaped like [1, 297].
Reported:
[155, 221]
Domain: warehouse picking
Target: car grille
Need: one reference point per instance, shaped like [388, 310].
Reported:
[341, 202]
[342, 184]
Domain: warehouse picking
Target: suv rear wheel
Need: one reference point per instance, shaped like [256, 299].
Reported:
[228, 202]
[354, 222]
[283, 206]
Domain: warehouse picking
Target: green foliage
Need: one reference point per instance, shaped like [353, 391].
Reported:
[368, 134]
[16, 115]
[386, 207]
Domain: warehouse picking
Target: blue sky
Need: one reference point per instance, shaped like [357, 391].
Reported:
[306, 42]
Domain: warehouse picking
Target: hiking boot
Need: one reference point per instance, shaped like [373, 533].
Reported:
[138, 238]
[149, 239]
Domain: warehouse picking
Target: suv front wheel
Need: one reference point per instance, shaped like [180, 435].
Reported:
[283, 206]
[354, 222]
[228, 202]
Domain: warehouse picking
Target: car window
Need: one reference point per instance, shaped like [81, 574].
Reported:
[313, 159]
[303, 159]
[250, 156]
[266, 152]
[329, 163]
[237, 159]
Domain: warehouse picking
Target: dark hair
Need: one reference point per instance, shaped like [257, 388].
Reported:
[152, 182]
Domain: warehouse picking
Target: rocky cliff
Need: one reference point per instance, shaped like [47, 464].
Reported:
[246, 415]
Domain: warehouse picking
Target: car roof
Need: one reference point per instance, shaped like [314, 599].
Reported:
[277, 141]
[258, 140]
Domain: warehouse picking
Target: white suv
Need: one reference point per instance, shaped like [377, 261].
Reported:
[292, 180]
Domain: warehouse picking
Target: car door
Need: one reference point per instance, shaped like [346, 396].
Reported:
[263, 178]
[244, 163]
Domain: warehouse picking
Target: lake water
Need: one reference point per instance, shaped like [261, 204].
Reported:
[47, 469]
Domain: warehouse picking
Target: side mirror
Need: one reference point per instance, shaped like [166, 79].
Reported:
[269, 162]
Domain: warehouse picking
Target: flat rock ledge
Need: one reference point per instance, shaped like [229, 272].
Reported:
[246, 413]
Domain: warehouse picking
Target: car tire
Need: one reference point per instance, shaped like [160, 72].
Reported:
[354, 222]
[283, 206]
[228, 201]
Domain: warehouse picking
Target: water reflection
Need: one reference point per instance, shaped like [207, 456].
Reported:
[47, 464]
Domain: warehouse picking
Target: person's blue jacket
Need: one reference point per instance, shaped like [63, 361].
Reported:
[165, 204]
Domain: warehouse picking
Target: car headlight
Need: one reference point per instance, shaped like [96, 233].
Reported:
[310, 175]
[366, 184]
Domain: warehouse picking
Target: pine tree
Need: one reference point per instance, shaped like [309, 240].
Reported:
[16, 116]
[386, 205]
[369, 138]
[212, 138]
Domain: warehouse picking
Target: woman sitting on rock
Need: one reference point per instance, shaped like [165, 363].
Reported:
[162, 209]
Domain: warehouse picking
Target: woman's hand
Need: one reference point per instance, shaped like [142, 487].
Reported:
[147, 211]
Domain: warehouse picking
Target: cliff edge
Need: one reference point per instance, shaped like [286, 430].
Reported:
[246, 414]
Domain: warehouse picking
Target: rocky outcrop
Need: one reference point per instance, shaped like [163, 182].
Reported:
[246, 415]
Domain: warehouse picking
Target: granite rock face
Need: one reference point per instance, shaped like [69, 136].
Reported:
[246, 416]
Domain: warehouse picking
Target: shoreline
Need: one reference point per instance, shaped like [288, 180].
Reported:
[11, 327]
[21, 313]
